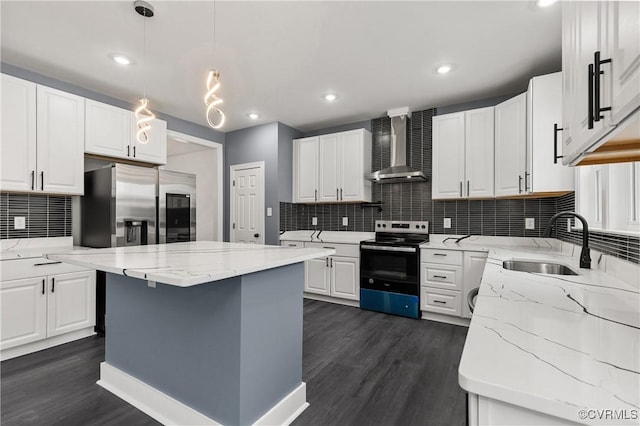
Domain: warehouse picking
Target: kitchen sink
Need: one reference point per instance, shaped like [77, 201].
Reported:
[538, 267]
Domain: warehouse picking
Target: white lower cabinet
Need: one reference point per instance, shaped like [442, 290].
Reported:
[440, 301]
[488, 411]
[37, 309]
[334, 276]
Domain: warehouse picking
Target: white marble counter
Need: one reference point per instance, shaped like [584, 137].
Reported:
[28, 248]
[188, 264]
[337, 237]
[551, 343]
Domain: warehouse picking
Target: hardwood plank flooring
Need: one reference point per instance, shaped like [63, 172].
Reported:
[361, 368]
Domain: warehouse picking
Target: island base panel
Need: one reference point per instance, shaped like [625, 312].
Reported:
[229, 349]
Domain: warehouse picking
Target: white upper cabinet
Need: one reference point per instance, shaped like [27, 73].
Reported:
[18, 162]
[60, 156]
[108, 130]
[545, 172]
[154, 151]
[510, 146]
[111, 132]
[463, 154]
[448, 155]
[42, 139]
[332, 168]
[305, 170]
[601, 62]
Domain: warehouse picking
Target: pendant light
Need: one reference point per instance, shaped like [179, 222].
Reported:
[215, 116]
[144, 116]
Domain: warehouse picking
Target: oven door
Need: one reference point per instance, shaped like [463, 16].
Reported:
[389, 263]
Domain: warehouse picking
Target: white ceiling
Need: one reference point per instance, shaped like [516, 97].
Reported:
[279, 58]
[179, 147]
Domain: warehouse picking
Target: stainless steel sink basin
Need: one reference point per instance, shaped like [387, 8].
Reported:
[538, 267]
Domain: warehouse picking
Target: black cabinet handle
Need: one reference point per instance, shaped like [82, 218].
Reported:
[590, 97]
[597, 62]
[134, 151]
[43, 286]
[519, 184]
[256, 235]
[128, 150]
[46, 263]
[337, 194]
[33, 179]
[440, 276]
[442, 302]
[468, 188]
[556, 129]
[526, 181]
[316, 195]
[340, 194]
[331, 262]
[460, 189]
[326, 262]
[42, 181]
[439, 254]
[53, 285]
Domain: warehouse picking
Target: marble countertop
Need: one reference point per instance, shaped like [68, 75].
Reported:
[337, 237]
[188, 264]
[552, 343]
[29, 248]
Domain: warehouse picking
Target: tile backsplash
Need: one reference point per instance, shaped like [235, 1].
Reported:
[45, 215]
[412, 201]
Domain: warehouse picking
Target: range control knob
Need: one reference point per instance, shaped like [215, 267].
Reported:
[417, 226]
[370, 280]
[423, 226]
[384, 225]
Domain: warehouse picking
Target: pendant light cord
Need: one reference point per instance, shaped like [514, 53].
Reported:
[214, 30]
[144, 53]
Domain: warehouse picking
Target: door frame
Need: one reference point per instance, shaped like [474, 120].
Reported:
[232, 193]
[219, 172]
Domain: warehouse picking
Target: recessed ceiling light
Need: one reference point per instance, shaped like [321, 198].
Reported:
[121, 59]
[545, 3]
[330, 97]
[253, 115]
[444, 69]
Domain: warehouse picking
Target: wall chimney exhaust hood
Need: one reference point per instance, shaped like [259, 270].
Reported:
[399, 171]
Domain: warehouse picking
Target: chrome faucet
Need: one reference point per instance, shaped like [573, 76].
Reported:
[585, 257]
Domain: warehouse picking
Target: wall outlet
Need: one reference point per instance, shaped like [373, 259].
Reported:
[19, 222]
[314, 221]
[345, 221]
[530, 223]
[269, 212]
[447, 222]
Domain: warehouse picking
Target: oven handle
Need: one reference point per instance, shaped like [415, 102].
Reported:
[388, 248]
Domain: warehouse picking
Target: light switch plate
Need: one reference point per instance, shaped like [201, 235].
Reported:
[345, 221]
[447, 222]
[19, 222]
[269, 212]
[314, 221]
[530, 223]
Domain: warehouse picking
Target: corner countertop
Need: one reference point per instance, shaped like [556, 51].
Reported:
[336, 237]
[191, 263]
[552, 343]
[29, 248]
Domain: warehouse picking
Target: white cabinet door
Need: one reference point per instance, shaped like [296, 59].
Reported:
[510, 145]
[448, 156]
[305, 170]
[108, 129]
[316, 276]
[60, 153]
[544, 109]
[479, 159]
[18, 162]
[474, 263]
[352, 157]
[328, 189]
[71, 303]
[24, 311]
[154, 151]
[624, 39]
[345, 277]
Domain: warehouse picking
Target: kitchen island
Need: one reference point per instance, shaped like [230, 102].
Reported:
[204, 332]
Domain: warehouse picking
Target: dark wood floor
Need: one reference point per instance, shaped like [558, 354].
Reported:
[361, 368]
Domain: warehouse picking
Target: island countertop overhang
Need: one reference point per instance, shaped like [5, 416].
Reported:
[190, 263]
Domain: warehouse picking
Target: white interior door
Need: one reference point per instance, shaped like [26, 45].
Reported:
[247, 203]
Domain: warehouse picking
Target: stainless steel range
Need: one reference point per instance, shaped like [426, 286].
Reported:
[390, 268]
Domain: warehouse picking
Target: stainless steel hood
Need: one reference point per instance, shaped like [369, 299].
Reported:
[399, 171]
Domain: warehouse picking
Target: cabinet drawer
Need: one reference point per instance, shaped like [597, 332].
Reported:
[292, 243]
[441, 301]
[447, 257]
[346, 250]
[448, 277]
[34, 267]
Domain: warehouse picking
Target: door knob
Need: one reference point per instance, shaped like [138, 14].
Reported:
[256, 235]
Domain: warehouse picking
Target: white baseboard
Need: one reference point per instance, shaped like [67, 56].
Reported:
[39, 345]
[169, 411]
[432, 316]
[337, 300]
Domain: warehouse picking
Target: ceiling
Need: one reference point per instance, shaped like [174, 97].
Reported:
[279, 58]
[176, 146]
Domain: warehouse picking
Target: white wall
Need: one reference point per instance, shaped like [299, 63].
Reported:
[203, 164]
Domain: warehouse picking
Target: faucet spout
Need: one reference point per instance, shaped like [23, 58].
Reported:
[585, 254]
